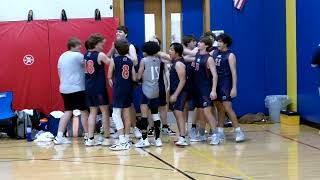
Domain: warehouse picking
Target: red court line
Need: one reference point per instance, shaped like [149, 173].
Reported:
[300, 142]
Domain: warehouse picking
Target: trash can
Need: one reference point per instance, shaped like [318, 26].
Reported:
[276, 103]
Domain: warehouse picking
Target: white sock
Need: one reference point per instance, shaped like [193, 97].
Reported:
[60, 134]
[238, 129]
[220, 130]
[86, 134]
[122, 138]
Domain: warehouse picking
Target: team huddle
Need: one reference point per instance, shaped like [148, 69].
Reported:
[197, 77]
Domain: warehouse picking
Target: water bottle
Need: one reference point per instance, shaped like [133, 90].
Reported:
[29, 139]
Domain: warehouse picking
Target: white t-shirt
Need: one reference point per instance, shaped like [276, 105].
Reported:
[72, 77]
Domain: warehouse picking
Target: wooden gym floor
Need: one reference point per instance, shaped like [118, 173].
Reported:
[271, 152]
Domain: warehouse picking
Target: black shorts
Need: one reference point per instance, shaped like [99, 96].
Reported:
[152, 103]
[74, 101]
[223, 90]
[100, 99]
[180, 103]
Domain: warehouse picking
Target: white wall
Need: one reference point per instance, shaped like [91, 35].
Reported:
[15, 10]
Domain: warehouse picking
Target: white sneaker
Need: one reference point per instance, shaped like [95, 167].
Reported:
[199, 139]
[100, 138]
[106, 142]
[61, 140]
[142, 143]
[137, 133]
[182, 142]
[240, 137]
[168, 131]
[221, 136]
[85, 138]
[215, 140]
[158, 142]
[193, 133]
[92, 142]
[120, 146]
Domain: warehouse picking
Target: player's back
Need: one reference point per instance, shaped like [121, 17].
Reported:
[95, 74]
[122, 82]
[151, 73]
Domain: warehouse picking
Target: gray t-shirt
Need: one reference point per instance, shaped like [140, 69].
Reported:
[72, 77]
[150, 85]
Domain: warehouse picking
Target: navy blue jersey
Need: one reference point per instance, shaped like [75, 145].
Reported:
[190, 77]
[222, 64]
[122, 82]
[95, 76]
[202, 75]
[161, 78]
[174, 77]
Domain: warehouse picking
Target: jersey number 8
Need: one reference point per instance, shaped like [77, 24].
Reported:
[89, 67]
[125, 72]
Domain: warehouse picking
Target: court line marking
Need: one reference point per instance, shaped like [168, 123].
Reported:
[128, 165]
[222, 164]
[168, 164]
[300, 142]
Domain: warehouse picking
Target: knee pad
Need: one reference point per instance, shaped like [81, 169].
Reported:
[155, 117]
[143, 123]
[117, 119]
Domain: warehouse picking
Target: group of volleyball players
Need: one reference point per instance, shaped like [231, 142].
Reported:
[201, 78]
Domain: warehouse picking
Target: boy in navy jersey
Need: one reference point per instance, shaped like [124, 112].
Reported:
[121, 75]
[205, 78]
[122, 34]
[227, 85]
[149, 72]
[178, 93]
[95, 84]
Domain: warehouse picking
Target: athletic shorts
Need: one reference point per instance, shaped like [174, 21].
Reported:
[76, 100]
[202, 98]
[99, 99]
[180, 103]
[152, 103]
[224, 90]
[162, 97]
[121, 100]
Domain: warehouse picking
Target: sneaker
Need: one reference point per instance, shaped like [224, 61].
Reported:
[239, 136]
[137, 133]
[157, 142]
[168, 131]
[150, 132]
[215, 140]
[120, 146]
[198, 139]
[92, 142]
[193, 133]
[221, 136]
[106, 142]
[182, 142]
[142, 143]
[62, 140]
[100, 138]
[85, 138]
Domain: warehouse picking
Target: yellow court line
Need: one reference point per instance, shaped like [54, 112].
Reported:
[208, 157]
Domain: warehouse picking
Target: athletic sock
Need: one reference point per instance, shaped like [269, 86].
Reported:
[157, 125]
[238, 129]
[144, 128]
[220, 130]
[194, 126]
[60, 134]
[202, 131]
[183, 136]
[165, 126]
